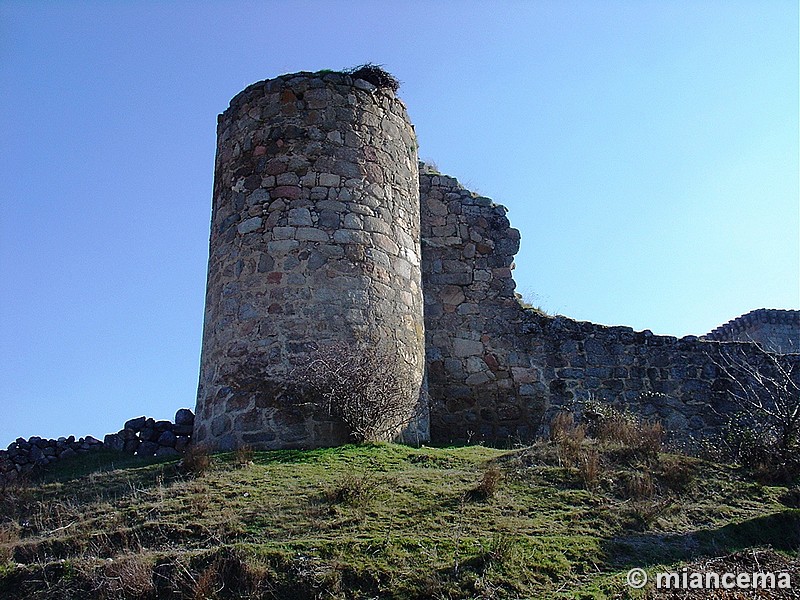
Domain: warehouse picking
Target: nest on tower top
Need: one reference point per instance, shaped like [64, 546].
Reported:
[376, 75]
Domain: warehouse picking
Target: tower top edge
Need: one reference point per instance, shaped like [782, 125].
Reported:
[366, 80]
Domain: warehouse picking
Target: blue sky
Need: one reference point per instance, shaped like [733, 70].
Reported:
[647, 151]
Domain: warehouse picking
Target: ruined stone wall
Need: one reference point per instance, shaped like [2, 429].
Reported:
[482, 379]
[318, 215]
[497, 371]
[314, 241]
[774, 330]
[141, 436]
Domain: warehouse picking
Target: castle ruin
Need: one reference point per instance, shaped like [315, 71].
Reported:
[325, 231]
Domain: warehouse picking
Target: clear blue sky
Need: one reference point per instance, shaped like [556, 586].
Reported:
[648, 152]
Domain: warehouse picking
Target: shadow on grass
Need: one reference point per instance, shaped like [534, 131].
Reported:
[95, 462]
[780, 531]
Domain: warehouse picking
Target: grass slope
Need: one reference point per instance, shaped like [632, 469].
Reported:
[380, 521]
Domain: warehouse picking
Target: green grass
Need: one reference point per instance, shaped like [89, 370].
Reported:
[384, 521]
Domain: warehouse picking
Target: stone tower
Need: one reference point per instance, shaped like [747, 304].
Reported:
[315, 242]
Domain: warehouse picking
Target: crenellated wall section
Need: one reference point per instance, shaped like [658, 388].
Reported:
[773, 329]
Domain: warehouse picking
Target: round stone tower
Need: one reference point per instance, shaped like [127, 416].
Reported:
[315, 244]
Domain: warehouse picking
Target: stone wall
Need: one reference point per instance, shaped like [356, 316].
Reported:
[318, 215]
[314, 243]
[141, 436]
[481, 379]
[145, 436]
[497, 370]
[774, 330]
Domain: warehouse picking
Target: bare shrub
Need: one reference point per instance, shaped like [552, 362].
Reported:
[196, 460]
[489, 484]
[765, 434]
[366, 389]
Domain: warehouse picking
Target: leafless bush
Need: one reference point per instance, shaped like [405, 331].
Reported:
[367, 389]
[765, 434]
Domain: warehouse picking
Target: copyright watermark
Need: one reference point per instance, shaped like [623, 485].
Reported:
[637, 578]
[709, 580]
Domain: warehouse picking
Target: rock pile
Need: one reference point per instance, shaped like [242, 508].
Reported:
[141, 436]
[23, 456]
[147, 437]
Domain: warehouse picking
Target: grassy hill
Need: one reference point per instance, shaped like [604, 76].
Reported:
[564, 519]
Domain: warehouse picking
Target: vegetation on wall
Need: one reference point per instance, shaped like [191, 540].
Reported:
[376, 75]
[366, 390]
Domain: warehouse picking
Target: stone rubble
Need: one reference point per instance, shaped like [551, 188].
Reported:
[141, 436]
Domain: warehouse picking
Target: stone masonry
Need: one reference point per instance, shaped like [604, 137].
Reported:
[774, 330]
[497, 371]
[324, 230]
[314, 243]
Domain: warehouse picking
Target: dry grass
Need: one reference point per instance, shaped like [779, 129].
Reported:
[489, 484]
[243, 457]
[645, 513]
[9, 536]
[677, 473]
[590, 468]
[196, 460]
[637, 485]
[353, 489]
[569, 439]
[643, 438]
[125, 577]
[383, 521]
